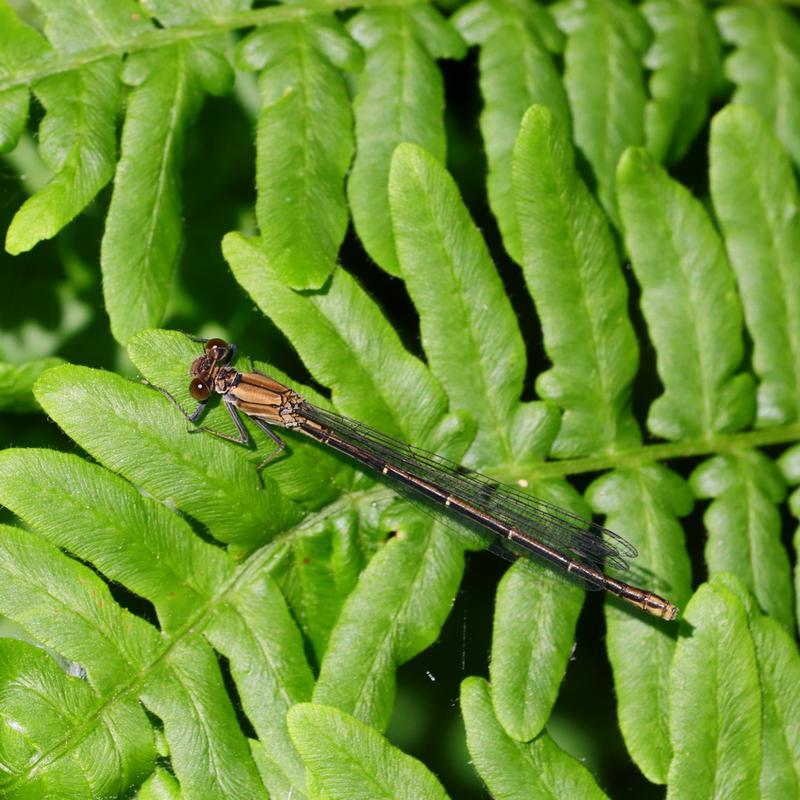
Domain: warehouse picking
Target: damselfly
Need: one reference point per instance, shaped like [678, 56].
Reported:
[524, 523]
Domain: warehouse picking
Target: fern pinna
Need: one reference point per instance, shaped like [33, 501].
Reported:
[177, 625]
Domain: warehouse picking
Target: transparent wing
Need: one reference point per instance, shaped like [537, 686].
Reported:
[572, 536]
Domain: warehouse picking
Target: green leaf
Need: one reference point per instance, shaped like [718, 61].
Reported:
[39, 585]
[187, 595]
[77, 141]
[753, 188]
[42, 705]
[133, 430]
[516, 71]
[257, 635]
[465, 314]
[143, 230]
[351, 761]
[580, 294]
[333, 40]
[184, 12]
[699, 354]
[606, 40]
[396, 610]
[744, 527]
[40, 582]
[535, 615]
[399, 99]
[534, 629]
[160, 786]
[789, 465]
[305, 145]
[137, 542]
[327, 560]
[77, 136]
[515, 770]
[76, 26]
[765, 65]
[20, 45]
[208, 751]
[715, 708]
[643, 505]
[779, 678]
[686, 62]
[348, 345]
[16, 383]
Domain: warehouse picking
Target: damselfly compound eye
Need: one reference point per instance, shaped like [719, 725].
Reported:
[217, 349]
[198, 389]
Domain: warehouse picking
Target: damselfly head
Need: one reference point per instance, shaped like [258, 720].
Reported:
[201, 366]
[202, 381]
[205, 367]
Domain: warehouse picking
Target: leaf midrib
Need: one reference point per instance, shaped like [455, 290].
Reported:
[55, 61]
[649, 453]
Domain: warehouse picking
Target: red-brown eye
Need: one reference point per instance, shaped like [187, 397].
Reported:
[217, 349]
[199, 389]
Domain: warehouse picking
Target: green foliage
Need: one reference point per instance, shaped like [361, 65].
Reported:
[142, 234]
[752, 185]
[516, 70]
[685, 59]
[514, 769]
[718, 659]
[603, 73]
[767, 80]
[177, 624]
[348, 760]
[305, 144]
[400, 46]
[581, 297]
[465, 314]
[530, 655]
[644, 504]
[16, 383]
[699, 353]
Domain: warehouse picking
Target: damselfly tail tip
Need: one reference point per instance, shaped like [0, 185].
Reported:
[660, 607]
[670, 612]
[655, 605]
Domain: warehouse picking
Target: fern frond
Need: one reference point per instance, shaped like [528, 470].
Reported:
[719, 656]
[465, 314]
[517, 43]
[143, 231]
[163, 82]
[304, 144]
[350, 761]
[765, 66]
[686, 59]
[16, 383]
[49, 706]
[603, 75]
[514, 768]
[754, 190]
[197, 591]
[193, 628]
[581, 297]
[401, 46]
